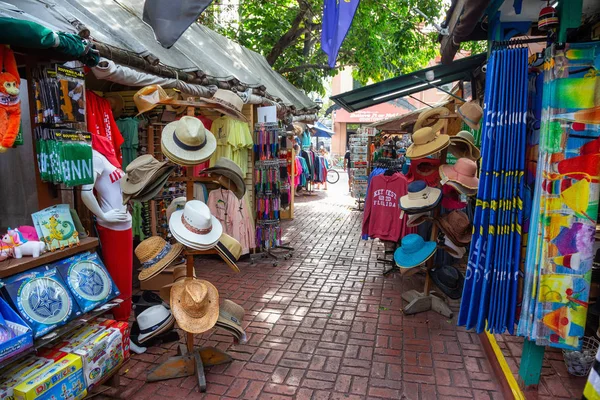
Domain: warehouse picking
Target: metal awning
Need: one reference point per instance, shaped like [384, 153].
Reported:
[405, 85]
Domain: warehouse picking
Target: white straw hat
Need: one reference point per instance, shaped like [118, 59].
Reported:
[195, 225]
[188, 141]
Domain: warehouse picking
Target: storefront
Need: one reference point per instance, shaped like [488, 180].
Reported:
[129, 163]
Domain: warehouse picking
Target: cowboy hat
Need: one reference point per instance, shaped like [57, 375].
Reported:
[463, 172]
[471, 113]
[456, 227]
[179, 273]
[431, 118]
[117, 104]
[150, 97]
[463, 145]
[196, 225]
[449, 279]
[227, 168]
[413, 251]
[426, 143]
[142, 172]
[420, 198]
[154, 321]
[226, 102]
[187, 141]
[195, 305]
[156, 254]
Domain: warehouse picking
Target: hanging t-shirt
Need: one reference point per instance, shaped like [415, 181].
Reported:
[108, 190]
[234, 216]
[100, 121]
[233, 141]
[129, 130]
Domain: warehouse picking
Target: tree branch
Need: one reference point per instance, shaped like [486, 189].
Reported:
[291, 36]
[304, 67]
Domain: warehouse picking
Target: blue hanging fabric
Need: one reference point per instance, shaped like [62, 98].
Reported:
[490, 292]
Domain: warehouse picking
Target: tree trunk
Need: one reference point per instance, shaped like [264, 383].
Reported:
[291, 36]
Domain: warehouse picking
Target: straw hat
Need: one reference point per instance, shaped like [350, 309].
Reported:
[471, 113]
[457, 227]
[461, 189]
[413, 251]
[226, 102]
[229, 248]
[463, 146]
[420, 198]
[431, 118]
[177, 108]
[227, 168]
[156, 254]
[454, 250]
[179, 273]
[195, 226]
[150, 97]
[426, 143]
[195, 305]
[463, 172]
[117, 104]
[187, 141]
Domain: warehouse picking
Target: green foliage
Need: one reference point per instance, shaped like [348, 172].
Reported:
[385, 40]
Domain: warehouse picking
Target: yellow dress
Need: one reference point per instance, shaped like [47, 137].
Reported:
[234, 141]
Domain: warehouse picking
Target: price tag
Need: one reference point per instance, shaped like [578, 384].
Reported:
[444, 180]
[401, 214]
[463, 198]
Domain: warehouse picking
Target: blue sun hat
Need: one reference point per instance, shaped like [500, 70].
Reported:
[413, 251]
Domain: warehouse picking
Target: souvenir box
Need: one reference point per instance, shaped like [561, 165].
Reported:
[61, 380]
[78, 338]
[101, 355]
[19, 372]
[55, 227]
[43, 300]
[88, 280]
[125, 330]
[22, 338]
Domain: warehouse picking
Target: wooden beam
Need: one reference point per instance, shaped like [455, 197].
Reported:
[532, 359]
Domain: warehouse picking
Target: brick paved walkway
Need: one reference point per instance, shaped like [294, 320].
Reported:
[326, 325]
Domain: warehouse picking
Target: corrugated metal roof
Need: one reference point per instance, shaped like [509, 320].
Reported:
[408, 84]
[119, 23]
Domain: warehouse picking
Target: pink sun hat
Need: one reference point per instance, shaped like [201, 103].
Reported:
[463, 172]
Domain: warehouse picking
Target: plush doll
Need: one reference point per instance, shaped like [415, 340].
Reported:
[10, 104]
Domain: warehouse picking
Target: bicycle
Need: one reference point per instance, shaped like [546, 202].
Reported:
[332, 176]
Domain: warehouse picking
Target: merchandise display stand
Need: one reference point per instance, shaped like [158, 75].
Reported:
[428, 300]
[190, 360]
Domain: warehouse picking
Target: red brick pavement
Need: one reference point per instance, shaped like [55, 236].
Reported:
[326, 325]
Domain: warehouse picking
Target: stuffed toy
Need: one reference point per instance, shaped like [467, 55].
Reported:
[10, 104]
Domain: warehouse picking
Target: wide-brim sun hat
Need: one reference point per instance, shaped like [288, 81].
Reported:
[149, 193]
[420, 197]
[227, 103]
[150, 97]
[449, 280]
[413, 251]
[156, 254]
[154, 321]
[230, 170]
[426, 142]
[195, 224]
[141, 172]
[188, 140]
[471, 113]
[195, 305]
[431, 118]
[192, 245]
[463, 146]
[463, 172]
[461, 189]
[417, 219]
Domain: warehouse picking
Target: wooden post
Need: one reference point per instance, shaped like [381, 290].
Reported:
[189, 194]
[532, 359]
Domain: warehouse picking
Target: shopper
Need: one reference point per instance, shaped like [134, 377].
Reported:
[346, 166]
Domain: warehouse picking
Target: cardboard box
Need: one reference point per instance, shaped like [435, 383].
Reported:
[61, 380]
[19, 372]
[101, 355]
[125, 330]
[23, 335]
[78, 338]
[164, 278]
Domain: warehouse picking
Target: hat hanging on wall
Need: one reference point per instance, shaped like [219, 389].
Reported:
[471, 113]
[150, 97]
[195, 304]
[226, 102]
[431, 119]
[463, 146]
[187, 142]
[426, 143]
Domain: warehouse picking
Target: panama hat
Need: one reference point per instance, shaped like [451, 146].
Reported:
[227, 168]
[451, 198]
[176, 204]
[187, 141]
[463, 145]
[195, 305]
[426, 143]
[413, 251]
[117, 104]
[226, 102]
[195, 224]
[456, 226]
[431, 118]
[417, 219]
[420, 198]
[141, 172]
[156, 254]
[150, 97]
[229, 248]
[154, 321]
[471, 113]
[463, 172]
[179, 273]
[449, 279]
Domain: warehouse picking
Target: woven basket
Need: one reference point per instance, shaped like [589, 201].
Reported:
[579, 362]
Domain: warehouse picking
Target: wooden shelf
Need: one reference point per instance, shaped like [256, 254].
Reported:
[14, 266]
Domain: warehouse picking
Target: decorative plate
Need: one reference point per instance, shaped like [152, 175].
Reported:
[89, 281]
[45, 301]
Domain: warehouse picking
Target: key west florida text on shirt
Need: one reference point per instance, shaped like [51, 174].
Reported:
[385, 198]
